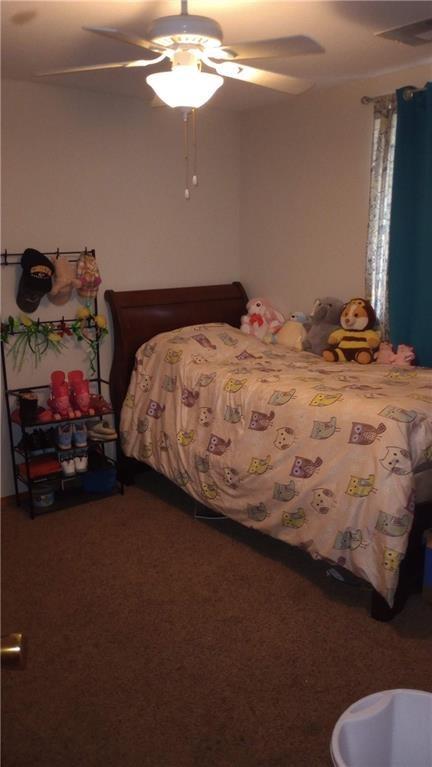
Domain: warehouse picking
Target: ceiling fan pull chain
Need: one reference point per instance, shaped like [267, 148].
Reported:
[186, 153]
[195, 149]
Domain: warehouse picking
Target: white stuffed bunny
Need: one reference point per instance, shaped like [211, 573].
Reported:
[262, 320]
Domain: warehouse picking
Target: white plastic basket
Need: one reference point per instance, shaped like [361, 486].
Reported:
[392, 728]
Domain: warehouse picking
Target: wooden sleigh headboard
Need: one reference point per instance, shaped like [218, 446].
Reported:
[138, 315]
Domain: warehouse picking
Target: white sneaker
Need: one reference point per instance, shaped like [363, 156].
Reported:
[67, 463]
[81, 461]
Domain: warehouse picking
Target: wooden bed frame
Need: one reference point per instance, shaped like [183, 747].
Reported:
[138, 315]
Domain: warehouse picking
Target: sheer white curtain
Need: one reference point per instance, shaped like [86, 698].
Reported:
[384, 135]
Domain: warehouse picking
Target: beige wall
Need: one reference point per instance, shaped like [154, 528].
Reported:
[86, 168]
[305, 192]
[282, 202]
[81, 169]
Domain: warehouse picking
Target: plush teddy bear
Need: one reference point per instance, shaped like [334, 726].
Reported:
[355, 339]
[293, 332]
[262, 320]
[323, 320]
[63, 281]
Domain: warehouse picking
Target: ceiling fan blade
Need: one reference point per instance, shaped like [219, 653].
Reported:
[126, 37]
[95, 67]
[273, 80]
[279, 48]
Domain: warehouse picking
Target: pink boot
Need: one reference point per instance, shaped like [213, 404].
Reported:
[57, 377]
[81, 396]
[59, 402]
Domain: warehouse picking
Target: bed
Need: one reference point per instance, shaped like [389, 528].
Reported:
[335, 458]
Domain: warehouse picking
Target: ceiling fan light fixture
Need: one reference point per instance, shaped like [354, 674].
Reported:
[184, 86]
[170, 31]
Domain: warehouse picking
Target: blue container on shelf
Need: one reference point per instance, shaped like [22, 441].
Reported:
[100, 480]
[43, 495]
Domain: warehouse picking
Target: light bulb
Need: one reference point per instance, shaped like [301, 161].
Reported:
[184, 86]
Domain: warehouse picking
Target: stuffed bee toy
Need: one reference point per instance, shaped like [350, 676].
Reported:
[356, 339]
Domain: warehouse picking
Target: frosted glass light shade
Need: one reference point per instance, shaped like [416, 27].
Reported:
[184, 86]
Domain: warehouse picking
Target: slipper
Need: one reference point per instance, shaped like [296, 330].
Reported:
[45, 416]
[93, 437]
[102, 430]
[102, 427]
[99, 404]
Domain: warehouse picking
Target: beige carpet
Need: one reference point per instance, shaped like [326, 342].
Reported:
[159, 640]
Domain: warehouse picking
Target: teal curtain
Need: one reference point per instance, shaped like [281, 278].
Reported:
[410, 249]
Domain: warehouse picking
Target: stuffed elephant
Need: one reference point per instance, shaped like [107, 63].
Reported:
[324, 319]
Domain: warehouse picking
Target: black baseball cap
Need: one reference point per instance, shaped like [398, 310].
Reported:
[36, 279]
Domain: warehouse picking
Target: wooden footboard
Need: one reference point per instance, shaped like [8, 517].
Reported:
[411, 569]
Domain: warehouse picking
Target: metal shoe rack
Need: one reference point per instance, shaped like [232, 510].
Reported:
[69, 491]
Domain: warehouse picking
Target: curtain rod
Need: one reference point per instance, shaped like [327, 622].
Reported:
[408, 93]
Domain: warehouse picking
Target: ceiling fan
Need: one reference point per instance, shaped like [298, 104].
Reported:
[183, 44]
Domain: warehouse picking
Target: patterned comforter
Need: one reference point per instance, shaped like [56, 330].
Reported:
[321, 455]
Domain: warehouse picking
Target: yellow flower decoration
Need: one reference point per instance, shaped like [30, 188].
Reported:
[31, 337]
[24, 335]
[100, 321]
[83, 313]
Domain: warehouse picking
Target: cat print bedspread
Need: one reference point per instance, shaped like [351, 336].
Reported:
[321, 455]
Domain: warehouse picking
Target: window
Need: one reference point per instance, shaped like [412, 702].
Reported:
[384, 136]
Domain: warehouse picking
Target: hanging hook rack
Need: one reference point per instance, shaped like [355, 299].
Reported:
[14, 259]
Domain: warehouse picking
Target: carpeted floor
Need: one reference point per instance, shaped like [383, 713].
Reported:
[159, 640]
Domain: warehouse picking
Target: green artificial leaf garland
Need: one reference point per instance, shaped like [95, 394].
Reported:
[90, 328]
[39, 337]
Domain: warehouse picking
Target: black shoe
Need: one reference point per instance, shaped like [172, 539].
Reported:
[26, 443]
[45, 439]
[96, 459]
[38, 440]
[50, 436]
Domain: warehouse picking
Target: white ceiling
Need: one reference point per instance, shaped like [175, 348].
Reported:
[44, 35]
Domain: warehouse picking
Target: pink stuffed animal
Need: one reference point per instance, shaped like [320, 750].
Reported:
[385, 354]
[404, 355]
[262, 319]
